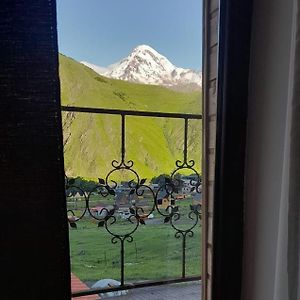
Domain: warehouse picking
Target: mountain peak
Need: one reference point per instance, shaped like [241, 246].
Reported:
[145, 65]
[143, 47]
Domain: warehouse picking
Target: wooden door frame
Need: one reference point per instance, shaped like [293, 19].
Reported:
[233, 74]
[228, 24]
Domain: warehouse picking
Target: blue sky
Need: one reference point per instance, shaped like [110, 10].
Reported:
[104, 31]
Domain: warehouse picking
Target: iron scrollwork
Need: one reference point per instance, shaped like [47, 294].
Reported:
[169, 190]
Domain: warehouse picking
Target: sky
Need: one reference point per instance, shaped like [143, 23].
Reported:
[103, 32]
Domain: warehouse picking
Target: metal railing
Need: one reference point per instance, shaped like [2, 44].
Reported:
[138, 187]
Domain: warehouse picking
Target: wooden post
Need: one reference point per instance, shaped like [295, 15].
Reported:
[210, 71]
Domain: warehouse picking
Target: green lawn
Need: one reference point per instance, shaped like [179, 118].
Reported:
[154, 253]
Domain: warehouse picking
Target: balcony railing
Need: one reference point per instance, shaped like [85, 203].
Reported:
[168, 191]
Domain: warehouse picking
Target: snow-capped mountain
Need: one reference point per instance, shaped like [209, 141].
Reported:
[146, 65]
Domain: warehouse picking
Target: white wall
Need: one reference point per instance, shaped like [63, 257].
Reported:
[269, 92]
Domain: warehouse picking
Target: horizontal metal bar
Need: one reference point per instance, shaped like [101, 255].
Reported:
[135, 286]
[131, 112]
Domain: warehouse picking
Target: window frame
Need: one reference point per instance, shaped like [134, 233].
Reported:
[232, 90]
[234, 37]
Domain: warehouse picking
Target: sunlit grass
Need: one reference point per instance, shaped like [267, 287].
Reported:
[155, 253]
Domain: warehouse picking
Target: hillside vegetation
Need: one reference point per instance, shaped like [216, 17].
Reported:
[93, 141]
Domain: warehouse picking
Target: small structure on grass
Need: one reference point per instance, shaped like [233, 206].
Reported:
[109, 283]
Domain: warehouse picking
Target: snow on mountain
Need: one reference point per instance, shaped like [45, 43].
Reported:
[97, 69]
[146, 65]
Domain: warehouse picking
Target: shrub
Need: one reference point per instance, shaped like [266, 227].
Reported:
[100, 79]
[121, 95]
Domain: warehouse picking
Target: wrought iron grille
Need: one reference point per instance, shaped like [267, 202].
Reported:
[171, 213]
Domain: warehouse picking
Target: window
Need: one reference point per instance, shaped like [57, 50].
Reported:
[132, 145]
[31, 157]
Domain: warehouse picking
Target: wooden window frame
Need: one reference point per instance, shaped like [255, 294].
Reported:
[227, 28]
[28, 33]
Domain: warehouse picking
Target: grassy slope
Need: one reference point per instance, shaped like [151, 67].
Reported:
[94, 256]
[94, 140]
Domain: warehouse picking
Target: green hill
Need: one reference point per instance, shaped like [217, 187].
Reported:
[93, 141]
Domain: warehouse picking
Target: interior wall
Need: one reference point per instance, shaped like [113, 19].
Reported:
[267, 111]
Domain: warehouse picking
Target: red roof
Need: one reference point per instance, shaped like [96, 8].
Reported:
[97, 208]
[78, 285]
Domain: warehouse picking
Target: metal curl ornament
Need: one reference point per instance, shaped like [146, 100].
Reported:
[112, 184]
[185, 164]
[169, 188]
[77, 218]
[139, 191]
[122, 165]
[176, 216]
